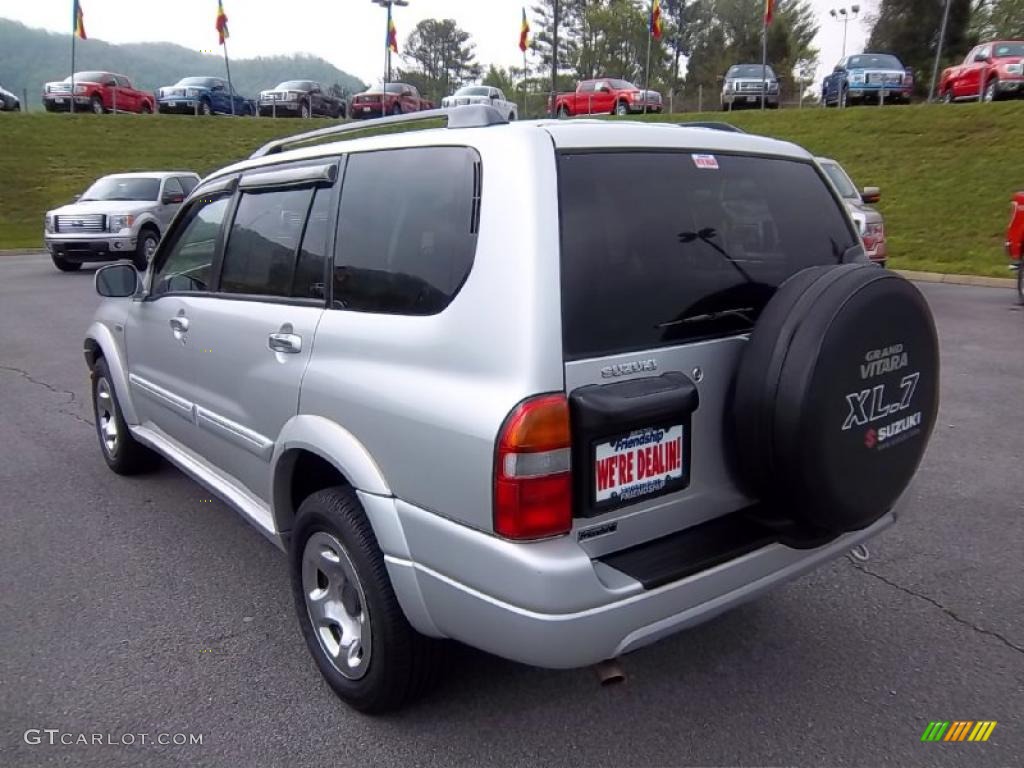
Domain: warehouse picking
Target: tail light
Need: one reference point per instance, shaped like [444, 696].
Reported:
[532, 481]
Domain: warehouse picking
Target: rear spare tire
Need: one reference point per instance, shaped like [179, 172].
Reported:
[836, 395]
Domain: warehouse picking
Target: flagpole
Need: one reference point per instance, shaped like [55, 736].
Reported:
[227, 66]
[74, 34]
[387, 59]
[764, 58]
[647, 69]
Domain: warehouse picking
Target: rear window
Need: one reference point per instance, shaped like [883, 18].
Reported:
[874, 61]
[693, 252]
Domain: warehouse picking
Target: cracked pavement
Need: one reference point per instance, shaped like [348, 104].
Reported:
[136, 605]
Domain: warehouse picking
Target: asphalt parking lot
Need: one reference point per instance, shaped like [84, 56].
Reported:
[134, 606]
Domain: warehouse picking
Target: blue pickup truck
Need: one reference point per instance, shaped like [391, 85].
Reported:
[202, 96]
[863, 78]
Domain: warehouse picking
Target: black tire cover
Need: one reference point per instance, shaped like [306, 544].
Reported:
[836, 395]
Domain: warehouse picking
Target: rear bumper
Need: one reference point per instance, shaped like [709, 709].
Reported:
[363, 111]
[547, 603]
[101, 248]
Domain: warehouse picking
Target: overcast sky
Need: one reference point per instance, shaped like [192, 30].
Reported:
[348, 33]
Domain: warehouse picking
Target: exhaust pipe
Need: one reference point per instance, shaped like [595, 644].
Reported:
[609, 672]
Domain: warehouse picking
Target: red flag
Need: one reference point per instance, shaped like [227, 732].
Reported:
[769, 11]
[222, 22]
[524, 34]
[392, 36]
[657, 24]
[78, 21]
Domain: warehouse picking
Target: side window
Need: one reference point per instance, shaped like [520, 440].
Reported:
[172, 187]
[123, 82]
[587, 87]
[188, 183]
[308, 282]
[264, 238]
[191, 248]
[406, 249]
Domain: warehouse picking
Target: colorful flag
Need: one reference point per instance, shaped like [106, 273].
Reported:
[524, 34]
[392, 36]
[78, 22]
[769, 11]
[657, 24]
[222, 22]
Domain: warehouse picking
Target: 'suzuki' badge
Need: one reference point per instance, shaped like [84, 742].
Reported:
[708, 162]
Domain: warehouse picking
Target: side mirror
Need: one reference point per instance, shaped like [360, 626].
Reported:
[980, 57]
[871, 195]
[117, 281]
[75, 197]
[172, 198]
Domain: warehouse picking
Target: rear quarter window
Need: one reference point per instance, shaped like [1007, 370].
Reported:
[694, 251]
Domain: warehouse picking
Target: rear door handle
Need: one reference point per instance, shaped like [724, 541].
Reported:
[288, 343]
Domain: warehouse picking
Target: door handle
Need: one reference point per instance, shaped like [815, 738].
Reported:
[179, 324]
[288, 343]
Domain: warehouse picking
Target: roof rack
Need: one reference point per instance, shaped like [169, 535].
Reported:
[466, 116]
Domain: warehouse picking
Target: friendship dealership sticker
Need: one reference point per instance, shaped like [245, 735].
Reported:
[708, 162]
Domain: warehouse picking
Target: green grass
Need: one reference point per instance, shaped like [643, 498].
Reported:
[946, 172]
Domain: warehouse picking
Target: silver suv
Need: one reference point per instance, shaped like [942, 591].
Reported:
[480, 386]
[119, 216]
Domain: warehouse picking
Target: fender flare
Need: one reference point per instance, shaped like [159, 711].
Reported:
[332, 443]
[149, 219]
[99, 341]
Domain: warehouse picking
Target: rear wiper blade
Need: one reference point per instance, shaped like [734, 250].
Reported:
[744, 313]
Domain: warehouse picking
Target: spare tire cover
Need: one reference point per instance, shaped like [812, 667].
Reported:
[836, 395]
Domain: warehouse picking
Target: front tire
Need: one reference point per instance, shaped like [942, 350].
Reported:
[145, 247]
[96, 105]
[947, 96]
[304, 110]
[147, 108]
[1020, 281]
[64, 265]
[621, 109]
[563, 111]
[122, 452]
[992, 90]
[350, 618]
[396, 110]
[205, 109]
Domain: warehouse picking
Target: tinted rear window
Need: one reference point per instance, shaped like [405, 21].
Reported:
[653, 246]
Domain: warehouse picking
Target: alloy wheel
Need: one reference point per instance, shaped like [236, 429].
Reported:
[336, 605]
[106, 414]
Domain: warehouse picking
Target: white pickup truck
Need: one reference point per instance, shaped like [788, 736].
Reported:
[482, 94]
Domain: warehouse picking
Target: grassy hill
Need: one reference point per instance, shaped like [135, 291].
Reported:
[30, 57]
[946, 172]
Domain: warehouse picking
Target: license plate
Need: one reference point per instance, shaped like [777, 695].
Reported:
[366, 109]
[59, 100]
[751, 98]
[644, 462]
[885, 92]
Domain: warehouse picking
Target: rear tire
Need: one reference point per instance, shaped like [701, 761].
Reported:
[122, 452]
[396, 110]
[360, 639]
[64, 265]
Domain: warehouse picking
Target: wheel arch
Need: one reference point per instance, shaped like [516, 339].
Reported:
[313, 453]
[100, 343]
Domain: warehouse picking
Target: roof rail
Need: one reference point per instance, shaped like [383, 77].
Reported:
[466, 116]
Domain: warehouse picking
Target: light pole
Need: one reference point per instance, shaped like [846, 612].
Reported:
[387, 39]
[844, 15]
[938, 53]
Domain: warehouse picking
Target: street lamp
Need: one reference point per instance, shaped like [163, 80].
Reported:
[844, 15]
[387, 34]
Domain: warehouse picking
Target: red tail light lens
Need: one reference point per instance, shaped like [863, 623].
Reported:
[532, 481]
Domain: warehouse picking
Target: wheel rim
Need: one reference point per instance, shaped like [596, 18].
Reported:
[621, 109]
[149, 247]
[305, 111]
[206, 108]
[97, 107]
[990, 91]
[336, 605]
[106, 418]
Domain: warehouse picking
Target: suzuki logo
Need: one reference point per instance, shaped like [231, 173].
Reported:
[624, 369]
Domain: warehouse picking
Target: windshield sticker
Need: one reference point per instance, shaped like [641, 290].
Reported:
[705, 161]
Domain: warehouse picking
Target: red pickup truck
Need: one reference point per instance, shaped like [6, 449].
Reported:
[1015, 240]
[97, 92]
[393, 99]
[990, 71]
[605, 96]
